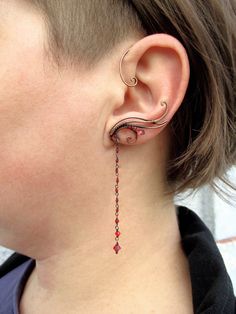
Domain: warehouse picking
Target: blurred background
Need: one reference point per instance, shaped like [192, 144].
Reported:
[220, 217]
[218, 214]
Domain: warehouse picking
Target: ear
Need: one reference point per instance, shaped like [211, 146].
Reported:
[160, 64]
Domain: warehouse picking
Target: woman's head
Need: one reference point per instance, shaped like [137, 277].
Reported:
[203, 141]
[61, 93]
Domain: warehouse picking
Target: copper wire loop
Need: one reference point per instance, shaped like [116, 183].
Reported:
[134, 80]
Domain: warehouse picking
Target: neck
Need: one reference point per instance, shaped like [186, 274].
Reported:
[93, 272]
[77, 265]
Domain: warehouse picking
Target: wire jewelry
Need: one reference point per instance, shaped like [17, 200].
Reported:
[137, 126]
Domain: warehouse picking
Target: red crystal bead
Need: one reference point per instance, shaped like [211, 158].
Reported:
[116, 190]
[117, 247]
[141, 132]
[117, 221]
[117, 233]
[117, 180]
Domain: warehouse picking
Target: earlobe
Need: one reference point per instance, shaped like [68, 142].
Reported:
[161, 68]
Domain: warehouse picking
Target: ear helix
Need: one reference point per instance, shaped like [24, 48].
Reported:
[137, 126]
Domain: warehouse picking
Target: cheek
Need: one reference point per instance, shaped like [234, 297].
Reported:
[43, 141]
[33, 146]
[27, 149]
[32, 170]
[30, 166]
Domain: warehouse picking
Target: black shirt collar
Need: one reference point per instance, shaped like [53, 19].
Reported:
[212, 288]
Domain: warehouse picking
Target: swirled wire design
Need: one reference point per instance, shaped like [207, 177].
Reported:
[133, 123]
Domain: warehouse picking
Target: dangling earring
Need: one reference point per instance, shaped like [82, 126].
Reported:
[129, 123]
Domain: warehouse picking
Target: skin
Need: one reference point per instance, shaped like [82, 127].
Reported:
[57, 174]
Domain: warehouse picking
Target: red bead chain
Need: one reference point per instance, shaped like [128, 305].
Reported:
[117, 247]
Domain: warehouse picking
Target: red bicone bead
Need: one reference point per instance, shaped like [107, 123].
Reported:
[117, 221]
[117, 233]
[141, 132]
[117, 180]
[117, 247]
[116, 190]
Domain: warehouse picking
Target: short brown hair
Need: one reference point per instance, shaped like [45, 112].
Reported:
[203, 130]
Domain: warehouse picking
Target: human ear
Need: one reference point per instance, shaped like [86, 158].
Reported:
[156, 72]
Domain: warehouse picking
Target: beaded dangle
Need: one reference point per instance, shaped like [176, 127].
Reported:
[117, 233]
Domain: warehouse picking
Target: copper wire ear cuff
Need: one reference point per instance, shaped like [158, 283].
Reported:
[128, 123]
[132, 123]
